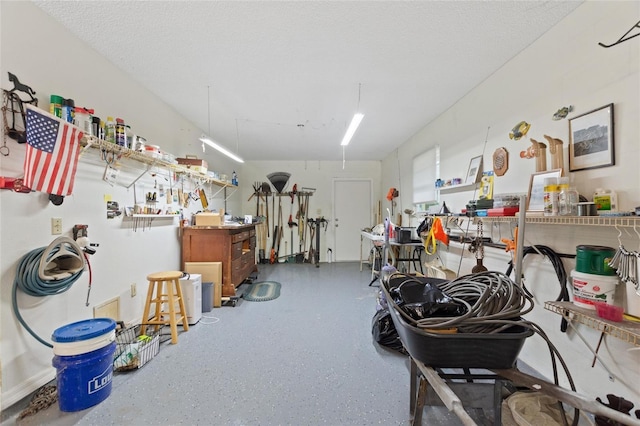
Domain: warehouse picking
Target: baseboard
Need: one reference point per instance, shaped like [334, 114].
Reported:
[26, 388]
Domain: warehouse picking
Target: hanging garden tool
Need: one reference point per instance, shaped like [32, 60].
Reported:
[272, 256]
[256, 193]
[393, 193]
[280, 227]
[300, 217]
[479, 250]
[291, 223]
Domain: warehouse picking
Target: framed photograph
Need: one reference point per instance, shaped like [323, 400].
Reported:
[535, 197]
[475, 170]
[591, 139]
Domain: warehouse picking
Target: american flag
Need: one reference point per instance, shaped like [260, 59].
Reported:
[52, 153]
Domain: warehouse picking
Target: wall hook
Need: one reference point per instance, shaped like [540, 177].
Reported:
[623, 39]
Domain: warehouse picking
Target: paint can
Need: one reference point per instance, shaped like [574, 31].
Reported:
[591, 288]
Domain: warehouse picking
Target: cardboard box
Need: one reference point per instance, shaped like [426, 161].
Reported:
[209, 219]
[211, 273]
[195, 164]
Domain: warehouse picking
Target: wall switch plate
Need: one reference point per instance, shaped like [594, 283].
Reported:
[56, 226]
[134, 290]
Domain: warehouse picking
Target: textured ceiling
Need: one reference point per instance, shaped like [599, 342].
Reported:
[285, 78]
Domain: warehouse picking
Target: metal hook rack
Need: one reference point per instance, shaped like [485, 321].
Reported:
[623, 39]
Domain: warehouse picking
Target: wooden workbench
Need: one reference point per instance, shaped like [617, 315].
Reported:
[234, 246]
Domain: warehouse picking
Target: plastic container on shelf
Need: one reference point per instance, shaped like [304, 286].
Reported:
[55, 105]
[591, 288]
[68, 110]
[95, 126]
[550, 196]
[152, 151]
[609, 312]
[110, 130]
[83, 118]
[121, 136]
[606, 200]
[568, 199]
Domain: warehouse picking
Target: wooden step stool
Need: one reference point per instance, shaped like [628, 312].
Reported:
[160, 282]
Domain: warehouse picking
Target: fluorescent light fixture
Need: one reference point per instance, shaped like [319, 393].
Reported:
[355, 122]
[206, 139]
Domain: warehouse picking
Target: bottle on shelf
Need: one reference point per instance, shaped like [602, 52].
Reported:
[121, 136]
[95, 127]
[83, 119]
[55, 105]
[102, 131]
[110, 130]
[606, 200]
[550, 197]
[68, 110]
[234, 178]
[568, 199]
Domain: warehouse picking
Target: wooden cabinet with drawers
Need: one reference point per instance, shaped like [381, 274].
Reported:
[234, 246]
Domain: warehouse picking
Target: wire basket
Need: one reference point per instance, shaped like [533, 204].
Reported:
[134, 350]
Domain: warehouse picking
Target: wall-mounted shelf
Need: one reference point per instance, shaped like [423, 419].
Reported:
[620, 221]
[627, 331]
[153, 216]
[122, 152]
[457, 188]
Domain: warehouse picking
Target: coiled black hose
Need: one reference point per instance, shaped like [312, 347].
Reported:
[558, 266]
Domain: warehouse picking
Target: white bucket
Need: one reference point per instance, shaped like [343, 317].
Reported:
[590, 288]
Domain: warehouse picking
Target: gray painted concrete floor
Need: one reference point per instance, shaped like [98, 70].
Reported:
[306, 358]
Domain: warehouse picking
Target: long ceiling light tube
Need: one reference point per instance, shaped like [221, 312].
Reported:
[351, 130]
[206, 139]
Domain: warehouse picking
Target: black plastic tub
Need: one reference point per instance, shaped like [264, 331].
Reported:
[460, 350]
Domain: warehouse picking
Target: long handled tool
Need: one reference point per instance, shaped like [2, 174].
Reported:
[272, 257]
[279, 224]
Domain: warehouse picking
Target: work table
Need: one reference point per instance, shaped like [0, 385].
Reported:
[233, 245]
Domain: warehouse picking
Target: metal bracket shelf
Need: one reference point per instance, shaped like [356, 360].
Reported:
[620, 221]
[457, 188]
[627, 331]
[122, 152]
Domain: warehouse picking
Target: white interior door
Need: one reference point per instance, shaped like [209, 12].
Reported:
[351, 212]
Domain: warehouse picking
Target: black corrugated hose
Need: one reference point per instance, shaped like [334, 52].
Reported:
[558, 266]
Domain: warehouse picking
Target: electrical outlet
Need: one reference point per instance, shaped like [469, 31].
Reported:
[56, 226]
[134, 290]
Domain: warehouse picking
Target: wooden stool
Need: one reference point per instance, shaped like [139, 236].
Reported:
[172, 296]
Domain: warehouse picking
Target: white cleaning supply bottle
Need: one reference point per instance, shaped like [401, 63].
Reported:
[606, 200]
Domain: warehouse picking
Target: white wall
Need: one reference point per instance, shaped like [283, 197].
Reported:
[310, 174]
[565, 66]
[51, 60]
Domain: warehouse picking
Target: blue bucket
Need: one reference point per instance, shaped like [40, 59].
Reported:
[84, 376]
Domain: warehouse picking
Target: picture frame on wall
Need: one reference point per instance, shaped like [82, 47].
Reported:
[535, 196]
[591, 139]
[474, 172]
